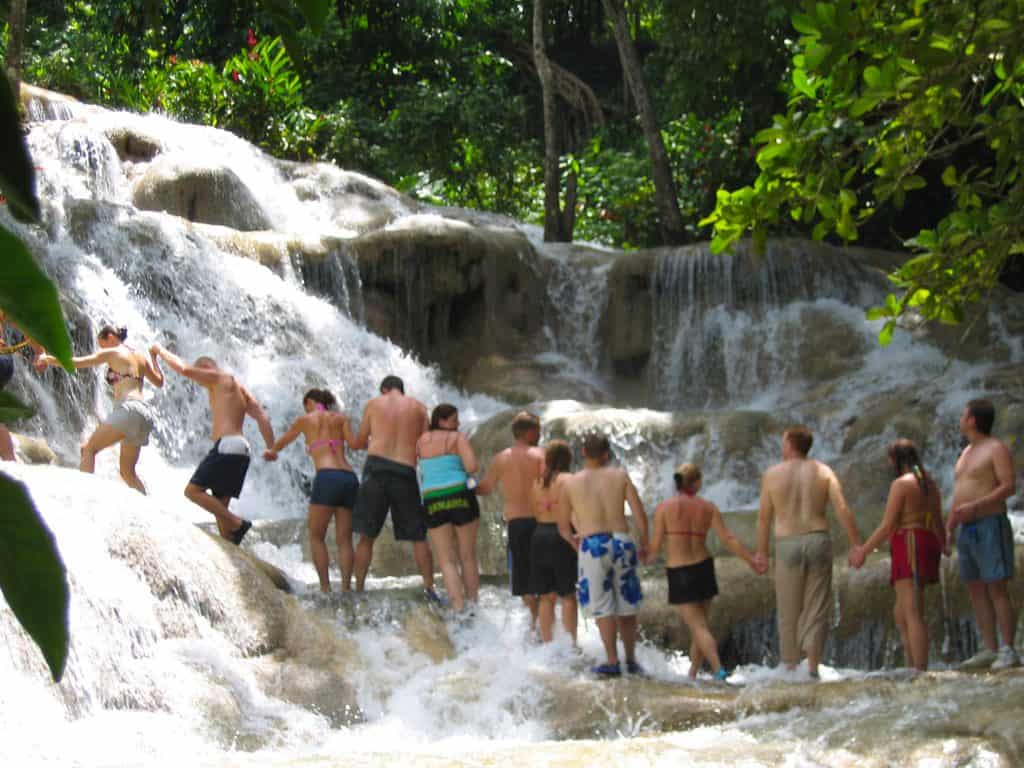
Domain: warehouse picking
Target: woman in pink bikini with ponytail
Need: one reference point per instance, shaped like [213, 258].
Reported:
[683, 522]
[335, 486]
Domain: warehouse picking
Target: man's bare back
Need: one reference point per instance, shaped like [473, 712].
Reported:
[516, 470]
[391, 425]
[597, 497]
[799, 491]
[229, 402]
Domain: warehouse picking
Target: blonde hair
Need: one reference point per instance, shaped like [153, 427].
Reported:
[687, 476]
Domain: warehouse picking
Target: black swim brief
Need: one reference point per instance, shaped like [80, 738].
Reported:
[460, 507]
[520, 539]
[553, 562]
[692, 583]
[223, 474]
[335, 488]
[389, 485]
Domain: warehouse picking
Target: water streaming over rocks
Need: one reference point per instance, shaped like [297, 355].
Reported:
[185, 652]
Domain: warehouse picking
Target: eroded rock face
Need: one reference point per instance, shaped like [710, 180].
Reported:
[210, 195]
[450, 292]
[33, 450]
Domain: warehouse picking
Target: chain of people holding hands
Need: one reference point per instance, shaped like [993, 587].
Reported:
[570, 542]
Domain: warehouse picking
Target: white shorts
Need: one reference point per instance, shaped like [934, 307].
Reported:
[609, 584]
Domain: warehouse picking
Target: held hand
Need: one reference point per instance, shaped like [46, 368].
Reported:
[760, 564]
[269, 455]
[642, 553]
[44, 360]
[155, 349]
[856, 557]
[39, 364]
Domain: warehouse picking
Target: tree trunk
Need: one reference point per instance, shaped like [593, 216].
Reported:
[554, 222]
[671, 220]
[15, 43]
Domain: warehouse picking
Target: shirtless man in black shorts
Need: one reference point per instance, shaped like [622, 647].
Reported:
[219, 477]
[392, 423]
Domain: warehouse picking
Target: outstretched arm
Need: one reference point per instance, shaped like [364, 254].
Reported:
[151, 370]
[639, 516]
[765, 514]
[465, 450]
[565, 517]
[202, 376]
[734, 545]
[283, 441]
[835, 495]
[100, 357]
[493, 477]
[256, 411]
[658, 536]
[897, 493]
[362, 439]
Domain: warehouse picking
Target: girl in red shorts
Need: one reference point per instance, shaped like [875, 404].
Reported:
[913, 523]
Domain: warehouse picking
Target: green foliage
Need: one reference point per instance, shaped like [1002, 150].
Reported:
[888, 101]
[31, 572]
[11, 409]
[32, 575]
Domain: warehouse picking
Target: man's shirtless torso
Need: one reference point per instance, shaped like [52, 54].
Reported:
[799, 491]
[976, 476]
[517, 470]
[229, 403]
[597, 497]
[391, 425]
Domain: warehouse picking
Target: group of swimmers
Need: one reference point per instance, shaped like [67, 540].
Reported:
[569, 539]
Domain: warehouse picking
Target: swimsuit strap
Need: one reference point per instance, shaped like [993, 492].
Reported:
[331, 442]
[114, 377]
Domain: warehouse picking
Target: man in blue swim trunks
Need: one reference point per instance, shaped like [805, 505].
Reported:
[220, 475]
[594, 501]
[985, 478]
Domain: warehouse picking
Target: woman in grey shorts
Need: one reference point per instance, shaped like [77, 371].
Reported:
[131, 420]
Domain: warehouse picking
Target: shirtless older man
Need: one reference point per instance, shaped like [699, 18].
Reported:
[392, 423]
[593, 501]
[221, 474]
[984, 480]
[795, 493]
[517, 470]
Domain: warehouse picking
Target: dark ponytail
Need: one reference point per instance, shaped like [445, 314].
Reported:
[121, 332]
[905, 459]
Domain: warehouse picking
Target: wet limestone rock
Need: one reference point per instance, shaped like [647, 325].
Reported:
[33, 450]
[211, 195]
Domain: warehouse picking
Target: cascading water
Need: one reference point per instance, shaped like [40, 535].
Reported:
[182, 652]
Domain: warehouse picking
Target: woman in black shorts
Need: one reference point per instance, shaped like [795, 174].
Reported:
[335, 486]
[683, 522]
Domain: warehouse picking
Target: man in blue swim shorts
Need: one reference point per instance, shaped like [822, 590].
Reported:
[985, 478]
[593, 501]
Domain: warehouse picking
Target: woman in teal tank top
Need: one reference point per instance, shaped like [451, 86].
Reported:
[446, 462]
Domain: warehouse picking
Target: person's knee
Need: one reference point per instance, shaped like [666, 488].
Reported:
[194, 492]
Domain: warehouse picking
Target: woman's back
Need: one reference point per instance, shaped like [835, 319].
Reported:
[687, 522]
[125, 373]
[545, 500]
[325, 439]
[919, 509]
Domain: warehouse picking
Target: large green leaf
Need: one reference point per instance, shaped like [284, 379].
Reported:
[30, 299]
[315, 13]
[32, 575]
[17, 177]
[11, 409]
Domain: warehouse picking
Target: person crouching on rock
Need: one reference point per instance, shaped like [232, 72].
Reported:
[335, 486]
[683, 522]
[131, 420]
[221, 474]
[913, 524]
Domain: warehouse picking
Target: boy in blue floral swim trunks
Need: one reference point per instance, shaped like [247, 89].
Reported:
[593, 500]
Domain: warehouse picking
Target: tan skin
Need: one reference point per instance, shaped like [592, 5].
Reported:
[593, 501]
[318, 426]
[392, 424]
[113, 352]
[984, 479]
[547, 507]
[687, 512]
[795, 495]
[515, 471]
[907, 507]
[6, 442]
[455, 545]
[230, 403]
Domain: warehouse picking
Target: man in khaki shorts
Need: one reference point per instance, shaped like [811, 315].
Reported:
[795, 493]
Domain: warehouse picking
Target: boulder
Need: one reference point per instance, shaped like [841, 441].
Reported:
[178, 185]
[33, 450]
